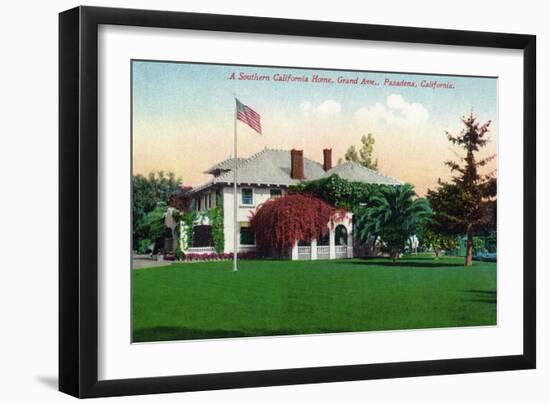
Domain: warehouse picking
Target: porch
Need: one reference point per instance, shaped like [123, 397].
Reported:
[337, 244]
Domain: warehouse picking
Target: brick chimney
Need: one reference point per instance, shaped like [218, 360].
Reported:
[327, 159]
[297, 164]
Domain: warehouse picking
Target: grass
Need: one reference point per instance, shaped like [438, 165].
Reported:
[208, 300]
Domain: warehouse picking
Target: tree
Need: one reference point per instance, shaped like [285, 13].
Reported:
[181, 200]
[147, 193]
[437, 241]
[394, 215]
[279, 223]
[479, 244]
[151, 229]
[467, 204]
[364, 155]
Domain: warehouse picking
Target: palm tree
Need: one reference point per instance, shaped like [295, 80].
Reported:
[393, 214]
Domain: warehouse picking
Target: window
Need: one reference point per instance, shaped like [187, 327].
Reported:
[275, 193]
[246, 196]
[247, 236]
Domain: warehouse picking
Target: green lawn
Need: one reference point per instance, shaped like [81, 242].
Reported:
[208, 300]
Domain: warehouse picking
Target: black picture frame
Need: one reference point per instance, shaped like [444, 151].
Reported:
[78, 201]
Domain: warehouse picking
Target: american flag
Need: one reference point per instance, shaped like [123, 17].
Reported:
[249, 116]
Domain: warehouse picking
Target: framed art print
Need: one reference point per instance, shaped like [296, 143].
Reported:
[251, 201]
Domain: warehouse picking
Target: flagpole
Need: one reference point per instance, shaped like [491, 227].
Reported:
[235, 197]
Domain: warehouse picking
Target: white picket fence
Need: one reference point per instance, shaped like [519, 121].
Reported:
[323, 252]
[304, 253]
[341, 251]
[201, 250]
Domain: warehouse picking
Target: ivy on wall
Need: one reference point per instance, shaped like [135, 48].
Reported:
[188, 219]
[215, 215]
[339, 192]
[215, 218]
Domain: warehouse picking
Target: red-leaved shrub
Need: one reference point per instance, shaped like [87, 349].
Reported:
[279, 223]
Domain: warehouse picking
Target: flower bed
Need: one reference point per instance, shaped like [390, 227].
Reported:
[245, 255]
[169, 257]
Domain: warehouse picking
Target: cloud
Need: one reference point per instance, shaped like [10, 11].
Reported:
[325, 109]
[306, 107]
[396, 111]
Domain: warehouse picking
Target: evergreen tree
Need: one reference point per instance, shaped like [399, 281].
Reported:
[467, 204]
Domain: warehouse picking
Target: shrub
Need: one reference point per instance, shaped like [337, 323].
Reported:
[180, 255]
[279, 223]
[246, 255]
[192, 256]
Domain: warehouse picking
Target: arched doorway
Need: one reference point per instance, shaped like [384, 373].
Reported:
[341, 241]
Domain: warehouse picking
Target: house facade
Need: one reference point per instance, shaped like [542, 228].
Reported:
[265, 175]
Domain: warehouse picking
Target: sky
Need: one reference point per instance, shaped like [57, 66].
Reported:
[183, 116]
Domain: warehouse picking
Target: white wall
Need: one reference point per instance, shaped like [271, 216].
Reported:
[260, 195]
[28, 163]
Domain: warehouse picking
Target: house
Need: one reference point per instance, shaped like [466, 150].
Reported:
[264, 175]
